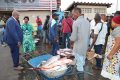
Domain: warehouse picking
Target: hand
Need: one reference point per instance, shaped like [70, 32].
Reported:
[89, 49]
[71, 46]
[110, 56]
[19, 43]
[56, 39]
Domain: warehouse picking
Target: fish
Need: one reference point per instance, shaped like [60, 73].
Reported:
[51, 60]
[65, 52]
[60, 62]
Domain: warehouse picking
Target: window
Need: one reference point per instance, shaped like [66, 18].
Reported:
[86, 10]
[82, 9]
[99, 10]
[89, 10]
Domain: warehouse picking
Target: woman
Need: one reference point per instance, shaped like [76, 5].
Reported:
[112, 56]
[28, 41]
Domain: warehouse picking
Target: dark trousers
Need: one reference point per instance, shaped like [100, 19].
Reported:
[15, 54]
[46, 36]
[55, 47]
[66, 40]
[98, 50]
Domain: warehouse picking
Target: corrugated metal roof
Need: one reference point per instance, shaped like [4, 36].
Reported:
[74, 4]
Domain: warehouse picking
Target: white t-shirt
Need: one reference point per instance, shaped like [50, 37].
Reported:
[102, 34]
[92, 24]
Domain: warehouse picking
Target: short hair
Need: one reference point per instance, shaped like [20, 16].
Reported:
[77, 9]
[67, 13]
[37, 16]
[97, 17]
[117, 13]
[55, 14]
[47, 16]
[26, 17]
[14, 13]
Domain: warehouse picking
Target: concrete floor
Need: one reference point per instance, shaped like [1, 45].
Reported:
[6, 69]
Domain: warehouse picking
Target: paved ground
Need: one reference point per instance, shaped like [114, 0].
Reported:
[7, 72]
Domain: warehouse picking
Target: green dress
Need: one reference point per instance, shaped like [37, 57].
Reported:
[28, 41]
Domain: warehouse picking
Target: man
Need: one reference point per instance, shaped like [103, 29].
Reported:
[117, 13]
[2, 26]
[67, 30]
[38, 21]
[46, 29]
[14, 37]
[100, 32]
[39, 27]
[80, 38]
[103, 18]
[53, 35]
[104, 21]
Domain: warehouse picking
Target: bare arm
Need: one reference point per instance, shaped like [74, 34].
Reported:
[94, 40]
[115, 48]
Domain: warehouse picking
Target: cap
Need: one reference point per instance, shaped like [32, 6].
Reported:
[55, 14]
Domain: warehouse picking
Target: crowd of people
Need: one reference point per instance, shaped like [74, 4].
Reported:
[101, 35]
[3, 20]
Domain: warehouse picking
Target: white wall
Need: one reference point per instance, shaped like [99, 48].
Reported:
[91, 15]
[33, 14]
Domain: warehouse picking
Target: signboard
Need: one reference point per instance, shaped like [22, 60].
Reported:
[28, 4]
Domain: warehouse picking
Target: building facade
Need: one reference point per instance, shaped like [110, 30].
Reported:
[90, 9]
[31, 8]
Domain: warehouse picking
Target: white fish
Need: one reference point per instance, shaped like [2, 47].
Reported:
[51, 60]
[60, 62]
[56, 71]
[65, 52]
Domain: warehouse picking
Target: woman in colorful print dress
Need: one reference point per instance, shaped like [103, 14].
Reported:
[28, 41]
[111, 62]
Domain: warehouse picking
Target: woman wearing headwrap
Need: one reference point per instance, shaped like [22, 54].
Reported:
[28, 41]
[111, 62]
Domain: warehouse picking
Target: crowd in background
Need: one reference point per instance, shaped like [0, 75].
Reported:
[3, 20]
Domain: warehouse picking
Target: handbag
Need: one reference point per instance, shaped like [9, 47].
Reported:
[91, 56]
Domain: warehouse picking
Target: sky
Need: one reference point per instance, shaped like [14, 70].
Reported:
[112, 9]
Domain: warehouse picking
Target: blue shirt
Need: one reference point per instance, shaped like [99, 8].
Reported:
[53, 30]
